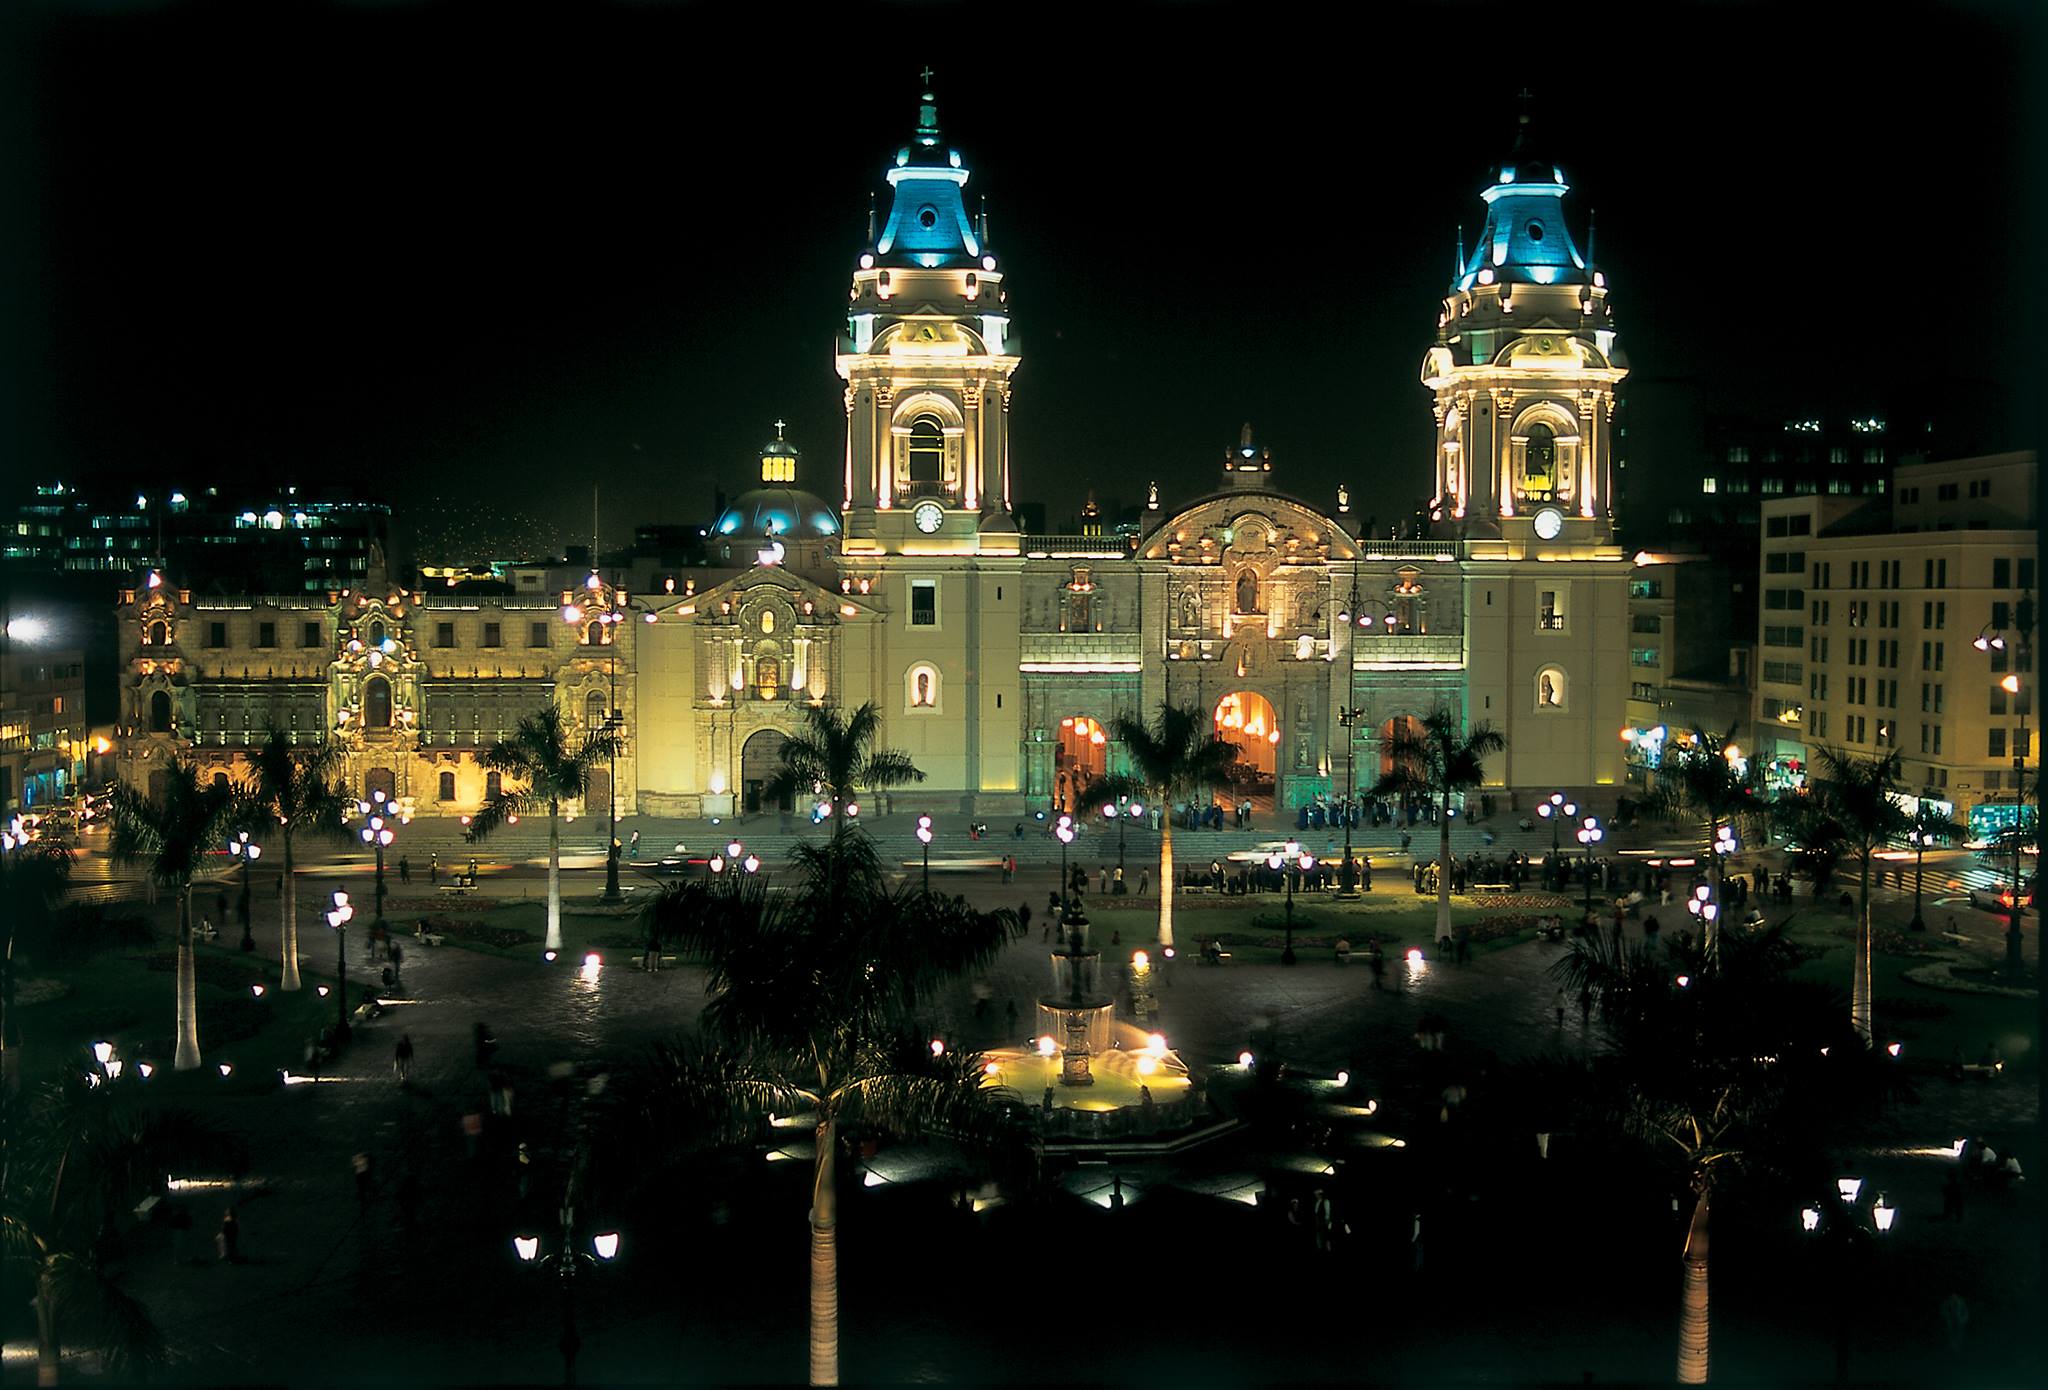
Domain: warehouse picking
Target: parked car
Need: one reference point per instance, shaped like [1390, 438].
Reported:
[1999, 899]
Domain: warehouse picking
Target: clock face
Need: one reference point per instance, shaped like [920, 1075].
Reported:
[1549, 522]
[928, 516]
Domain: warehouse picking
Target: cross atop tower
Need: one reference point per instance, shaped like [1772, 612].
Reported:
[779, 426]
[927, 74]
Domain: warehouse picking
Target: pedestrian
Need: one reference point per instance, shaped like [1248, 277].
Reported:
[472, 873]
[434, 867]
[1052, 904]
[401, 1061]
[1325, 1221]
[1378, 960]
[633, 847]
[404, 869]
[1144, 882]
[280, 887]
[1585, 1008]
[228, 1243]
[1116, 1192]
[472, 1132]
[364, 1178]
[523, 1170]
[1117, 883]
[650, 958]
[1560, 1008]
[1023, 917]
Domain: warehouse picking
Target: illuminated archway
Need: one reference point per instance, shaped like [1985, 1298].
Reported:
[1247, 719]
[1080, 755]
[760, 758]
[1400, 723]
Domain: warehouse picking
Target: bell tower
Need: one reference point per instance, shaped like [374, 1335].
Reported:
[927, 359]
[1524, 370]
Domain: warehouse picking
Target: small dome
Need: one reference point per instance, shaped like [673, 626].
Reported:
[779, 513]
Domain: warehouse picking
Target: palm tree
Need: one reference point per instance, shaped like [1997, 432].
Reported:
[835, 756]
[81, 1158]
[812, 996]
[1927, 826]
[1438, 760]
[1171, 759]
[548, 771]
[1729, 1070]
[170, 834]
[1709, 783]
[296, 792]
[33, 878]
[1860, 797]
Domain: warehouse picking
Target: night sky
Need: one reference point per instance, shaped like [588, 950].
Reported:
[475, 261]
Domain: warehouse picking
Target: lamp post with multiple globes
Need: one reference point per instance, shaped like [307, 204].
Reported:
[242, 848]
[1296, 861]
[1590, 834]
[2021, 644]
[1347, 878]
[380, 816]
[1121, 809]
[1557, 811]
[567, 1261]
[1850, 1229]
[338, 914]
[924, 840]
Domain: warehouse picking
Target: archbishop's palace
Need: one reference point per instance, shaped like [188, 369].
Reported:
[998, 658]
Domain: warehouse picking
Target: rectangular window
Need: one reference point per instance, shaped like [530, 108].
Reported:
[1937, 699]
[1802, 525]
[494, 635]
[1708, 484]
[1642, 690]
[266, 634]
[310, 637]
[1784, 600]
[1777, 526]
[1643, 656]
[1996, 743]
[924, 603]
[2001, 573]
[1781, 636]
[1637, 588]
[1650, 622]
[216, 634]
[444, 634]
[1937, 741]
[2026, 572]
[1550, 611]
[1998, 699]
[537, 635]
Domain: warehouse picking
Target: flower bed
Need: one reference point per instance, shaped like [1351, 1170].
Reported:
[1889, 941]
[464, 931]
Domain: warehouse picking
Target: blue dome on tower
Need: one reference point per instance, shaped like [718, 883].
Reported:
[1524, 239]
[778, 509]
[928, 222]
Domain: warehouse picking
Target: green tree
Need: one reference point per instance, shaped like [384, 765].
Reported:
[834, 755]
[813, 994]
[1721, 1063]
[170, 835]
[543, 769]
[1171, 760]
[33, 878]
[295, 793]
[1859, 798]
[78, 1160]
[1708, 783]
[1438, 760]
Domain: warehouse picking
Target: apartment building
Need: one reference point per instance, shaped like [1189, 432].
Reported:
[1870, 615]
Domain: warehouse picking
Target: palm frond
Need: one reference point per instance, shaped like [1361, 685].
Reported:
[888, 767]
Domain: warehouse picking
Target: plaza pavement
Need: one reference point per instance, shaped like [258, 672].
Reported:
[338, 1291]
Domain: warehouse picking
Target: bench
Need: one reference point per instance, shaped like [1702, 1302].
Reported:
[667, 960]
[1491, 888]
[429, 938]
[460, 886]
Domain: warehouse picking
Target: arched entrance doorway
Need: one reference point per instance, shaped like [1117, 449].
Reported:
[380, 779]
[597, 793]
[760, 756]
[1246, 719]
[1079, 756]
[1404, 726]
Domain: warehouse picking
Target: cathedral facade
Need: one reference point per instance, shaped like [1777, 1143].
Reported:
[999, 659]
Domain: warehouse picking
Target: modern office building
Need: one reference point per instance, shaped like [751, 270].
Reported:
[1903, 622]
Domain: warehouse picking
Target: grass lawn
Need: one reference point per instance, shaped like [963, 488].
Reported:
[1930, 1022]
[1250, 927]
[130, 999]
[515, 928]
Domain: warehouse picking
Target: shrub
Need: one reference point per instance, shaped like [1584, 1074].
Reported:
[480, 933]
[78, 932]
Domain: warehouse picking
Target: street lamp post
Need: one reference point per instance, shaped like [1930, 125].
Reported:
[924, 840]
[1118, 811]
[1347, 878]
[1556, 810]
[377, 832]
[1847, 1227]
[1590, 834]
[1990, 640]
[1070, 914]
[338, 915]
[567, 1261]
[1297, 861]
[241, 848]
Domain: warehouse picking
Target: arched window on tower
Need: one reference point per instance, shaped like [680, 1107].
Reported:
[158, 635]
[160, 712]
[377, 703]
[1539, 465]
[927, 456]
[593, 711]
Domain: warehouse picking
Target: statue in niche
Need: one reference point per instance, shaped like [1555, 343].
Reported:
[1190, 610]
[1248, 592]
[1548, 693]
[921, 693]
